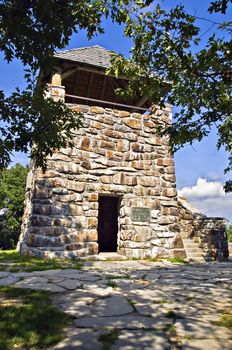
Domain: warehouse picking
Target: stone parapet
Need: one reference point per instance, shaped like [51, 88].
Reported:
[56, 92]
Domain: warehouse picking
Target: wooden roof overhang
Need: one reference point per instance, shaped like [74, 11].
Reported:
[82, 71]
[88, 81]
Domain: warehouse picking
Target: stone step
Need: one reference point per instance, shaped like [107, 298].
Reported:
[190, 252]
[193, 251]
[50, 248]
[189, 241]
[190, 244]
[190, 247]
[45, 241]
[195, 256]
[197, 260]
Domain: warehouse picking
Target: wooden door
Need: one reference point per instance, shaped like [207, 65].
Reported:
[108, 224]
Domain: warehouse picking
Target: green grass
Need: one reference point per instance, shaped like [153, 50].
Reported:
[156, 259]
[177, 261]
[171, 329]
[116, 277]
[111, 284]
[12, 261]
[153, 259]
[132, 302]
[226, 321]
[111, 279]
[28, 320]
[163, 301]
[108, 339]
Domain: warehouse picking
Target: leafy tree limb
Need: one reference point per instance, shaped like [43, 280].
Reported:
[166, 51]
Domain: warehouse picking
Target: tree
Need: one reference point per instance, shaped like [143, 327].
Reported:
[12, 195]
[166, 52]
[31, 31]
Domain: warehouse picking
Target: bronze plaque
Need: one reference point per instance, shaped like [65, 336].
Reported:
[140, 214]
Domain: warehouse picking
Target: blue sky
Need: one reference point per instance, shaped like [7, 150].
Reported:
[200, 161]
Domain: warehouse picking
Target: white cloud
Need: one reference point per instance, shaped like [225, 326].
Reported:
[203, 189]
[209, 197]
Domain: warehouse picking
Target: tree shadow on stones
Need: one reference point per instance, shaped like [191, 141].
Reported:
[162, 307]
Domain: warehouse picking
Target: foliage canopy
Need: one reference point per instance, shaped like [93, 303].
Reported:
[12, 195]
[167, 48]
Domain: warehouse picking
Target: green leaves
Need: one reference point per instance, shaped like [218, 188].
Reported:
[31, 121]
[163, 66]
[219, 6]
[199, 80]
[12, 195]
[31, 31]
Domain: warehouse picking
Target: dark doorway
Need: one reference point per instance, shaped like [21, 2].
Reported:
[108, 224]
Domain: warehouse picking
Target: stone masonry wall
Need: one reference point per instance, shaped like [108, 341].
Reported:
[208, 232]
[116, 153]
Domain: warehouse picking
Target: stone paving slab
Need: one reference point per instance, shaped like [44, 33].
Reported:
[97, 289]
[130, 284]
[76, 308]
[8, 281]
[137, 340]
[139, 304]
[201, 330]
[39, 286]
[115, 305]
[78, 339]
[204, 344]
[4, 274]
[123, 322]
[69, 284]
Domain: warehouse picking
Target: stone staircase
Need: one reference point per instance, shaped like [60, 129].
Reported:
[193, 251]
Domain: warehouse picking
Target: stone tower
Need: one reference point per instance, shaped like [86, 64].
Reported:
[115, 191]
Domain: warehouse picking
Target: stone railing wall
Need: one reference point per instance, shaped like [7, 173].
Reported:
[56, 92]
[208, 232]
[116, 153]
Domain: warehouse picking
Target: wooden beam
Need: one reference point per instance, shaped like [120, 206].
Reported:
[76, 81]
[113, 87]
[90, 84]
[103, 87]
[83, 67]
[142, 101]
[68, 72]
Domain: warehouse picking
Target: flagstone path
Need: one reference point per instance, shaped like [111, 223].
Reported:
[134, 305]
